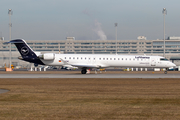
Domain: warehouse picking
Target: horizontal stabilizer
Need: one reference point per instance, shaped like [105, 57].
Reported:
[14, 41]
[27, 54]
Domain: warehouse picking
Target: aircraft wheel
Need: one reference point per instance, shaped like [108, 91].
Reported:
[165, 72]
[83, 71]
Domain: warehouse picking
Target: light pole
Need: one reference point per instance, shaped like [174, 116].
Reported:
[10, 26]
[164, 13]
[116, 24]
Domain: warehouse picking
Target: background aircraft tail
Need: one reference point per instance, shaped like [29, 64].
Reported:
[27, 54]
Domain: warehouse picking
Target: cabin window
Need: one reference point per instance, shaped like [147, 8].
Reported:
[73, 57]
[89, 58]
[103, 58]
[65, 58]
[110, 58]
[99, 58]
[77, 58]
[114, 58]
[107, 58]
[122, 58]
[85, 58]
[126, 58]
[118, 58]
[81, 58]
[94, 58]
[129, 58]
[69, 57]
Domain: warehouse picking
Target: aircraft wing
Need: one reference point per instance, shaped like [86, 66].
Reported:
[65, 62]
[88, 66]
[83, 65]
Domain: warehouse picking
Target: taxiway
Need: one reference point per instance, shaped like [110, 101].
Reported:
[99, 75]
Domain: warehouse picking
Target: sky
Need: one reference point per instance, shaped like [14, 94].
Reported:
[89, 19]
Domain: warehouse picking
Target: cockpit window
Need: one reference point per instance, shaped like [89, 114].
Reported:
[163, 59]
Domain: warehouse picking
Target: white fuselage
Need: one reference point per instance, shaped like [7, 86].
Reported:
[103, 61]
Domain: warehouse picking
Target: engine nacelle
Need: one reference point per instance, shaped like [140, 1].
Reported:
[47, 56]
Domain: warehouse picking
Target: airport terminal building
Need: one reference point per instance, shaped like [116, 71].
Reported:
[141, 46]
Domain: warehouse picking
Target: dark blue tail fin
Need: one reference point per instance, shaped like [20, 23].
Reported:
[26, 52]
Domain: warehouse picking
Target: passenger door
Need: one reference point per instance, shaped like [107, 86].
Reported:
[153, 62]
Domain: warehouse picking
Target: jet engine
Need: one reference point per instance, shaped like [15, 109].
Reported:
[47, 56]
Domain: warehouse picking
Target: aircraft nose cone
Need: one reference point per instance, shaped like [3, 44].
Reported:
[173, 65]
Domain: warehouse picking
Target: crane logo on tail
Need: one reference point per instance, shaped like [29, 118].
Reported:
[24, 50]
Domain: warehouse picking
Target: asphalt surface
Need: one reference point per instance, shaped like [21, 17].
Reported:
[77, 74]
[99, 75]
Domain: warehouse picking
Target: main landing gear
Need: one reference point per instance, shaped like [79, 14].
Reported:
[83, 71]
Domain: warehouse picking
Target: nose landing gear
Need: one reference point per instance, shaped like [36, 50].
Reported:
[165, 72]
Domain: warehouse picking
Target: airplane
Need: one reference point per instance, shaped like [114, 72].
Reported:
[89, 61]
